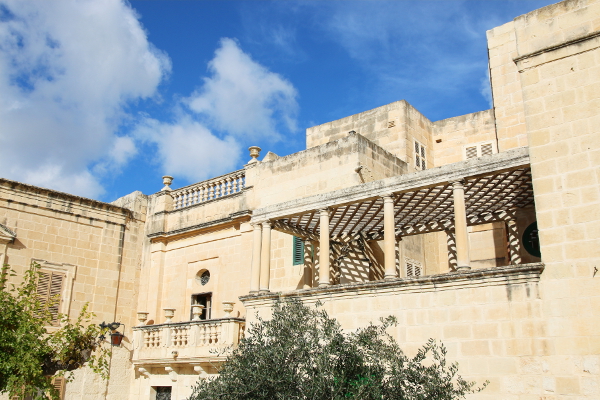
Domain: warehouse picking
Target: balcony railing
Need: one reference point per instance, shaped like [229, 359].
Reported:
[186, 340]
[221, 186]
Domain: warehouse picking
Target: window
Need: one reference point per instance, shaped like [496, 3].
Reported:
[479, 150]
[203, 299]
[59, 384]
[162, 392]
[298, 251]
[49, 292]
[413, 268]
[55, 284]
[420, 158]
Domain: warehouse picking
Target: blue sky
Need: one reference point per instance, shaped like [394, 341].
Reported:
[103, 97]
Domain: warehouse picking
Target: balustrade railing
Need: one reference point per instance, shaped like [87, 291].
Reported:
[191, 339]
[211, 189]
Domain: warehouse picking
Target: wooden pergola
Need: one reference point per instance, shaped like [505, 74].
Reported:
[447, 198]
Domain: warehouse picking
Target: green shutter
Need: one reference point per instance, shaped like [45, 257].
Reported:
[298, 254]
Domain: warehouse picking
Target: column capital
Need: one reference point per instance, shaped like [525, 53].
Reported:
[388, 197]
[324, 211]
[267, 224]
[458, 183]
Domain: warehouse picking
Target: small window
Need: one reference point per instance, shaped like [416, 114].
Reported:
[49, 292]
[420, 156]
[479, 150]
[298, 251]
[413, 268]
[163, 392]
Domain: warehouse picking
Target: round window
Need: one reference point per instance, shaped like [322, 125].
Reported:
[202, 277]
[531, 241]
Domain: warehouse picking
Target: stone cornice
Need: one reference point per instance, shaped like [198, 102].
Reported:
[506, 160]
[556, 52]
[558, 46]
[233, 217]
[498, 276]
[56, 195]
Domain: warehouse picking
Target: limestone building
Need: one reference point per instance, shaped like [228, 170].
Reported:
[482, 231]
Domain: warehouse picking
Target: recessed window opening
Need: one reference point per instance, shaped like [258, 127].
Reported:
[413, 268]
[203, 299]
[203, 277]
[162, 392]
[420, 156]
[479, 150]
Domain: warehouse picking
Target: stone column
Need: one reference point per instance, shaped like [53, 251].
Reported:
[256, 250]
[514, 245]
[389, 238]
[324, 248]
[265, 257]
[463, 257]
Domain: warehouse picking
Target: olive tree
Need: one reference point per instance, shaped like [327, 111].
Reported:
[29, 354]
[302, 353]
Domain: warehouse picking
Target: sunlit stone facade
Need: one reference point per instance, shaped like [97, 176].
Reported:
[393, 214]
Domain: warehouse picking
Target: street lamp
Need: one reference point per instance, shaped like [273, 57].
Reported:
[115, 337]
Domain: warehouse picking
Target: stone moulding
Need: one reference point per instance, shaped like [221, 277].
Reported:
[507, 160]
[497, 276]
[230, 219]
[65, 200]
[559, 46]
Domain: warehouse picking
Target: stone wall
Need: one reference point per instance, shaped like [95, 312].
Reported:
[491, 321]
[394, 127]
[559, 67]
[452, 135]
[506, 88]
[321, 169]
[97, 245]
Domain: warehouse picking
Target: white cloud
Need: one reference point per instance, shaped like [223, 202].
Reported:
[243, 98]
[486, 89]
[67, 69]
[187, 149]
[239, 104]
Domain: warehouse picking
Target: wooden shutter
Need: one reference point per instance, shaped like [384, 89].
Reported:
[413, 268]
[298, 251]
[487, 149]
[49, 292]
[420, 156]
[471, 152]
[479, 150]
[59, 384]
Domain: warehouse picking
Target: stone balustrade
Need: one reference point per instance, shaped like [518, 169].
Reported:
[211, 189]
[186, 340]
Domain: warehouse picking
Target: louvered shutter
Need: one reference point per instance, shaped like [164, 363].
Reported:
[298, 251]
[59, 384]
[471, 152]
[413, 268]
[417, 155]
[487, 149]
[409, 269]
[417, 270]
[49, 290]
[420, 157]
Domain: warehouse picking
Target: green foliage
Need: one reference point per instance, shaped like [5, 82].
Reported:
[29, 354]
[302, 353]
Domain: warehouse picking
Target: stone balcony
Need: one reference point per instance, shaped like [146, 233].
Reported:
[191, 342]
